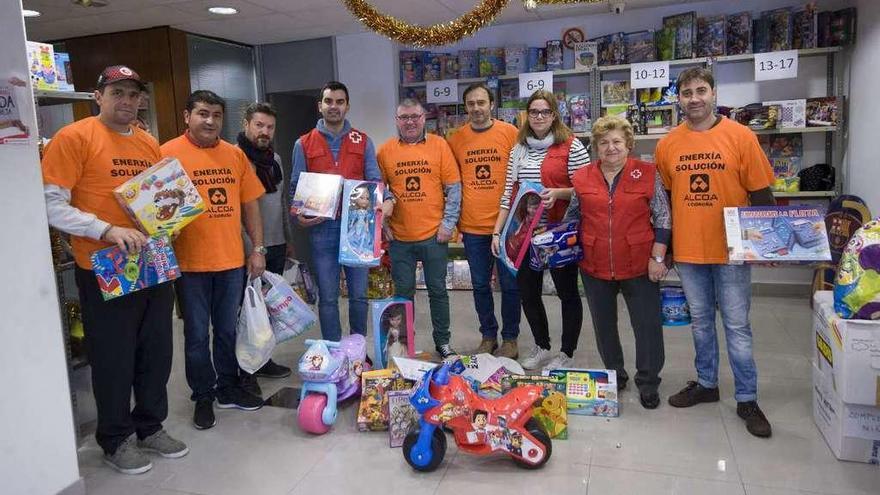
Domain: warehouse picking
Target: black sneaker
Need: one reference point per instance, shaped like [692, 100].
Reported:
[446, 351]
[649, 400]
[237, 398]
[203, 417]
[273, 370]
[249, 383]
[693, 394]
[756, 422]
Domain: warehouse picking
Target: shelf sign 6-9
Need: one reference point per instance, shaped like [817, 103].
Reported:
[649, 75]
[776, 65]
[533, 81]
[442, 91]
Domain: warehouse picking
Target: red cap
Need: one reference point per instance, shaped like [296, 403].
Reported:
[116, 73]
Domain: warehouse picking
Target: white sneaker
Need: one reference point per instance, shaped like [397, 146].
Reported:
[558, 361]
[536, 358]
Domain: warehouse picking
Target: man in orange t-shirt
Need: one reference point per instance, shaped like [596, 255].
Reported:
[708, 163]
[210, 252]
[128, 339]
[482, 148]
[423, 179]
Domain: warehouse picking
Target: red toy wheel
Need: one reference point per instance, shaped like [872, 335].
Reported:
[309, 414]
[535, 429]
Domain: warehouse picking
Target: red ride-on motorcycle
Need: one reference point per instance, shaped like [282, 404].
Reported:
[480, 426]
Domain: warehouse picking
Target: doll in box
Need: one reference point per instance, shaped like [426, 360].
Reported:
[525, 215]
[394, 328]
[360, 222]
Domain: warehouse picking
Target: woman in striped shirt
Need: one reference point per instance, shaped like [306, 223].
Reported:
[546, 152]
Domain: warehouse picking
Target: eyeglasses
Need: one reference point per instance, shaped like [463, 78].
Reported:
[540, 113]
[410, 118]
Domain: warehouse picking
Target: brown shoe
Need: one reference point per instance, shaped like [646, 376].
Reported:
[487, 346]
[508, 349]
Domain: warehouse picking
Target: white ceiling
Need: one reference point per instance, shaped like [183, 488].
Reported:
[269, 21]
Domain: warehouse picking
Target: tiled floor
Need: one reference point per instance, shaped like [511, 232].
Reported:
[703, 450]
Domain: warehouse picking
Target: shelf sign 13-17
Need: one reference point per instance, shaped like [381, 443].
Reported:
[649, 75]
[442, 91]
[776, 65]
[533, 81]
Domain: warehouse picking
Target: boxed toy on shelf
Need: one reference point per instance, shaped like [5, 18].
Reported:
[516, 59]
[616, 93]
[579, 111]
[162, 198]
[792, 113]
[537, 59]
[823, 111]
[586, 55]
[393, 329]
[120, 273]
[640, 47]
[685, 26]
[803, 27]
[468, 64]
[711, 36]
[836, 28]
[63, 72]
[316, 195]
[41, 61]
[491, 61]
[739, 33]
[550, 411]
[785, 152]
[554, 55]
[360, 242]
[779, 25]
[759, 234]
[589, 392]
[664, 43]
[412, 66]
[612, 49]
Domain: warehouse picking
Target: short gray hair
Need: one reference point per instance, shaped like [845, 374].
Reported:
[410, 103]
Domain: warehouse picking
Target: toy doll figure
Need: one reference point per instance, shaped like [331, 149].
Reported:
[360, 222]
[395, 333]
[525, 214]
[316, 361]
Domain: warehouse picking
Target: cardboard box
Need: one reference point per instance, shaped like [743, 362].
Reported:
[41, 63]
[852, 432]
[119, 273]
[317, 195]
[360, 241]
[762, 234]
[848, 351]
[393, 329]
[590, 392]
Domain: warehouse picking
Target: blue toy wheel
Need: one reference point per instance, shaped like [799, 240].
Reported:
[422, 459]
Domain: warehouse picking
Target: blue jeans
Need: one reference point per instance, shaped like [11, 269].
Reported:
[478, 250]
[730, 286]
[324, 239]
[210, 299]
[433, 256]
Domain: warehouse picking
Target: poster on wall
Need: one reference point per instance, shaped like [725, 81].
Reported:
[16, 112]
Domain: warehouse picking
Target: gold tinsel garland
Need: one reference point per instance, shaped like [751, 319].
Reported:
[436, 35]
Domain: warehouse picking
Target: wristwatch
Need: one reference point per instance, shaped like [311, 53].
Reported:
[261, 249]
[658, 259]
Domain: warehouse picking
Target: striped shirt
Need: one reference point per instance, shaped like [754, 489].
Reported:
[528, 167]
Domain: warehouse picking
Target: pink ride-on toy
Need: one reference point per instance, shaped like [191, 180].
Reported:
[331, 372]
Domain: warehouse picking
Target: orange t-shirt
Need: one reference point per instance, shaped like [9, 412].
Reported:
[416, 174]
[482, 161]
[225, 180]
[706, 171]
[91, 160]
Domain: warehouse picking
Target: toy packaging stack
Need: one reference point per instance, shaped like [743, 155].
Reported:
[555, 246]
[162, 198]
[589, 392]
[846, 382]
[317, 195]
[550, 411]
[360, 241]
[857, 287]
[376, 385]
[525, 213]
[792, 234]
[485, 372]
[402, 416]
[393, 329]
[119, 273]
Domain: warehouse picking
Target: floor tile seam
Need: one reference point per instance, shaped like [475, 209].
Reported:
[664, 473]
[732, 451]
[799, 490]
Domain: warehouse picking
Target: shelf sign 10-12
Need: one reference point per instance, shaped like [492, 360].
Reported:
[445, 91]
[776, 65]
[649, 75]
[533, 81]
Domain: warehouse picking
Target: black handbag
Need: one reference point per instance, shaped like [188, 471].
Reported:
[819, 177]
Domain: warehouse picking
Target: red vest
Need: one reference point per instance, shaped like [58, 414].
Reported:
[554, 173]
[616, 232]
[351, 154]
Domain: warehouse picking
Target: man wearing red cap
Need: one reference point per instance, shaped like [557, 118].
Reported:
[128, 340]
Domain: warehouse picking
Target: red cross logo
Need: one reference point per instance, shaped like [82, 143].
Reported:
[355, 137]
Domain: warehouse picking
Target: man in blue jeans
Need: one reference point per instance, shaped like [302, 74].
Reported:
[482, 149]
[707, 163]
[334, 147]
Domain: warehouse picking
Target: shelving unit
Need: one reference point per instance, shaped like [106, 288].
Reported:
[788, 130]
[45, 97]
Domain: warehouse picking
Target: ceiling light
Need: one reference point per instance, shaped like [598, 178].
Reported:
[223, 10]
[30, 13]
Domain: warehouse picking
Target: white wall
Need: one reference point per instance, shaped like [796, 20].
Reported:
[864, 106]
[367, 65]
[37, 444]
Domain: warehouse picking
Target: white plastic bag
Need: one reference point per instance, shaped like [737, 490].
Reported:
[288, 313]
[254, 339]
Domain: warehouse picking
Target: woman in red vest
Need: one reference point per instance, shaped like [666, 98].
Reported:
[546, 152]
[624, 230]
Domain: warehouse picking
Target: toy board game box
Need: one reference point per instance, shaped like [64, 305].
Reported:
[373, 408]
[590, 392]
[393, 329]
[316, 195]
[468, 64]
[550, 411]
[516, 59]
[554, 54]
[412, 66]
[537, 59]
[640, 47]
[525, 213]
[586, 55]
[119, 273]
[402, 416]
[492, 61]
[41, 61]
[162, 198]
[711, 36]
[739, 33]
[757, 234]
[822, 112]
[685, 25]
[360, 242]
[555, 246]
[63, 72]
[785, 153]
